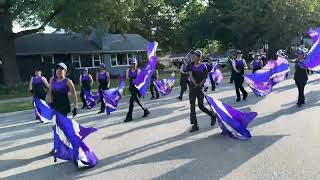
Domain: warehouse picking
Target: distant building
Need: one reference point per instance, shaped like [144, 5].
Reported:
[78, 51]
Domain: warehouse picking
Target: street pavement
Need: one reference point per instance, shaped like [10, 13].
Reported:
[285, 142]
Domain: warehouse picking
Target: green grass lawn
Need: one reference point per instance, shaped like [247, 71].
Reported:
[18, 106]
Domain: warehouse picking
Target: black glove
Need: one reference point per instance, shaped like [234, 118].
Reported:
[74, 112]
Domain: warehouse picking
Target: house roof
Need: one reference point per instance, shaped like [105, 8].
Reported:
[77, 43]
[124, 42]
[54, 44]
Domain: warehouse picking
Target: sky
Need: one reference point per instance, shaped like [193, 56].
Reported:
[18, 28]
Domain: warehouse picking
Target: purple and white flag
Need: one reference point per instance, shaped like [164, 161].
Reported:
[164, 86]
[91, 98]
[262, 81]
[312, 60]
[231, 121]
[42, 110]
[152, 49]
[112, 97]
[314, 34]
[68, 142]
[215, 74]
[144, 78]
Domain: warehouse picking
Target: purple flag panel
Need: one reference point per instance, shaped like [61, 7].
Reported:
[164, 86]
[144, 78]
[312, 61]
[314, 34]
[231, 121]
[112, 97]
[152, 49]
[68, 142]
[42, 110]
[91, 98]
[262, 81]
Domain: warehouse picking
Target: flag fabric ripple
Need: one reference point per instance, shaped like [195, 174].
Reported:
[68, 136]
[42, 110]
[144, 78]
[112, 97]
[231, 121]
[164, 86]
[68, 142]
[91, 98]
[312, 60]
[262, 81]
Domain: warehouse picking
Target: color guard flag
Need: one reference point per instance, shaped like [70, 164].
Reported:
[112, 97]
[144, 78]
[68, 142]
[312, 60]
[42, 110]
[231, 121]
[164, 86]
[262, 81]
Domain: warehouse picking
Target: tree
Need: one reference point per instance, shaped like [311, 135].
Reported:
[71, 15]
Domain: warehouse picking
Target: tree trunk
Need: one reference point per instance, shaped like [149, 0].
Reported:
[8, 50]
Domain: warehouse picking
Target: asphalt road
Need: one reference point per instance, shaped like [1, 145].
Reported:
[285, 142]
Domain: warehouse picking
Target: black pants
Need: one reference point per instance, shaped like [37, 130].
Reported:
[152, 89]
[238, 83]
[196, 93]
[301, 83]
[84, 102]
[212, 83]
[184, 86]
[134, 98]
[103, 105]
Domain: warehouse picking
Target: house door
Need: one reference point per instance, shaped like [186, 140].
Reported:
[48, 65]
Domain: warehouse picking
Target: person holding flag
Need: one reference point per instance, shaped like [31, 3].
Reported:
[300, 75]
[183, 80]
[86, 82]
[154, 77]
[212, 66]
[59, 88]
[198, 74]
[103, 78]
[238, 67]
[37, 86]
[131, 75]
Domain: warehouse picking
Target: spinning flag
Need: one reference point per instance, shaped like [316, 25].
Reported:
[144, 78]
[312, 60]
[43, 112]
[91, 98]
[215, 74]
[262, 81]
[231, 121]
[68, 142]
[164, 86]
[112, 97]
[68, 136]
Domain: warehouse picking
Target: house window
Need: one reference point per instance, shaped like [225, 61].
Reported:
[86, 60]
[76, 61]
[114, 60]
[121, 59]
[47, 59]
[96, 60]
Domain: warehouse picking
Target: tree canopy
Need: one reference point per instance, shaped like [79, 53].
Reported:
[177, 24]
